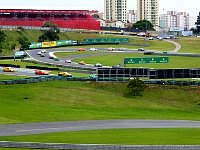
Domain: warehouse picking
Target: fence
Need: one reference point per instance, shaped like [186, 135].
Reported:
[31, 145]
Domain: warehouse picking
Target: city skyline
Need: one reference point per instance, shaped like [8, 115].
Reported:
[165, 5]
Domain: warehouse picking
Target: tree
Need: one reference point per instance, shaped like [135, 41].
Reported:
[2, 39]
[49, 24]
[2, 36]
[143, 25]
[23, 41]
[52, 35]
[135, 87]
[198, 24]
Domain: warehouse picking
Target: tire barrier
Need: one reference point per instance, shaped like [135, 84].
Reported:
[57, 65]
[41, 68]
[34, 145]
[7, 57]
[10, 65]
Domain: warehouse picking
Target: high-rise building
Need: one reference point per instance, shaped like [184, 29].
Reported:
[178, 20]
[115, 10]
[148, 10]
[132, 16]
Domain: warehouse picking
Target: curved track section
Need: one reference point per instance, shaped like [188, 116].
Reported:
[39, 128]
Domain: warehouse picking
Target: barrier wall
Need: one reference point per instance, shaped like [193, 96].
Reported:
[31, 145]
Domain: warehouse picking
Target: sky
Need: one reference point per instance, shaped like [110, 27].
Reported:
[190, 6]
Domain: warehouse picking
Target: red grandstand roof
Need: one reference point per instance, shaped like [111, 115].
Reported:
[48, 11]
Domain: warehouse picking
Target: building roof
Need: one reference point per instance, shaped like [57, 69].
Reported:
[40, 11]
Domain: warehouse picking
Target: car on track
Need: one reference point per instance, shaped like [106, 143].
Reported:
[82, 63]
[81, 49]
[141, 49]
[8, 69]
[41, 72]
[98, 65]
[116, 66]
[56, 59]
[42, 55]
[51, 57]
[64, 74]
[43, 51]
[122, 49]
[111, 49]
[93, 49]
[39, 53]
[68, 61]
[93, 76]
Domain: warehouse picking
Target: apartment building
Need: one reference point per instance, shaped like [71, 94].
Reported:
[115, 10]
[176, 20]
[148, 10]
[132, 16]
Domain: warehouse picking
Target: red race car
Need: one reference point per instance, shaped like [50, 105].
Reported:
[41, 72]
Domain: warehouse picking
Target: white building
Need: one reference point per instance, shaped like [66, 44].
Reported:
[117, 24]
[148, 10]
[115, 10]
[132, 16]
[176, 20]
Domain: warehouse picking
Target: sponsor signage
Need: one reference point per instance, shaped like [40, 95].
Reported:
[146, 60]
[49, 44]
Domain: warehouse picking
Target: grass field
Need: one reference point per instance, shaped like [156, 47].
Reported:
[118, 136]
[59, 101]
[10, 77]
[117, 58]
[189, 44]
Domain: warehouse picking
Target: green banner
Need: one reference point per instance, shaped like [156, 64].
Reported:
[105, 40]
[36, 45]
[146, 60]
[65, 42]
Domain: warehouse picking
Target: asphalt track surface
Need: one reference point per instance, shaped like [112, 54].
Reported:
[50, 127]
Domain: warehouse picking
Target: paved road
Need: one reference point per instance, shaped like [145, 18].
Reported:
[38, 128]
[178, 46]
[20, 72]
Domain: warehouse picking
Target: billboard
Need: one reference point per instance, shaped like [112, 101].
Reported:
[35, 45]
[49, 44]
[146, 60]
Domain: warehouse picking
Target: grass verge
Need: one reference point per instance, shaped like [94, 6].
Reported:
[117, 136]
[64, 100]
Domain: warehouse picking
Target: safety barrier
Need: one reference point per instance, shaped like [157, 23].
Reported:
[34, 145]
[10, 65]
[57, 65]
[58, 78]
[42, 68]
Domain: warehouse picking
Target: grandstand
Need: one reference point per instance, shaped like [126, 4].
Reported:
[73, 19]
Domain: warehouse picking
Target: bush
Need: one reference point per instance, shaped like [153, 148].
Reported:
[135, 87]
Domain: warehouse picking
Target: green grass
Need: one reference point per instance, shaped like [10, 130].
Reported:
[116, 58]
[59, 101]
[118, 136]
[10, 77]
[189, 44]
[13, 149]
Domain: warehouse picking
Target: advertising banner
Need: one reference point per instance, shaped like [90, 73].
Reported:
[49, 44]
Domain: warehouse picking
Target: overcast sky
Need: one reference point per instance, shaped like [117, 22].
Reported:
[190, 6]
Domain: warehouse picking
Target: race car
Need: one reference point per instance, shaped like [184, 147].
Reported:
[81, 49]
[111, 49]
[81, 63]
[41, 72]
[8, 69]
[64, 74]
[98, 65]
